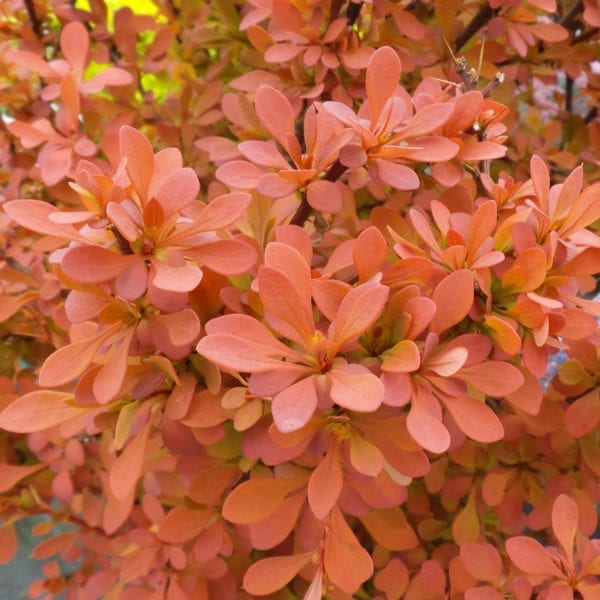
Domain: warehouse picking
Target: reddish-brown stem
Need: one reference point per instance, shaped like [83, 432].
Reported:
[336, 170]
[485, 13]
[124, 246]
[36, 24]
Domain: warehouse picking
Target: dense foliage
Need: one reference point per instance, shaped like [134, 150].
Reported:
[281, 288]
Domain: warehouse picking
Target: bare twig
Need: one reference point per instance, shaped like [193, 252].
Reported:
[36, 24]
[336, 170]
[485, 13]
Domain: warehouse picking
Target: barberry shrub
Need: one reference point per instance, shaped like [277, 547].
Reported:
[296, 298]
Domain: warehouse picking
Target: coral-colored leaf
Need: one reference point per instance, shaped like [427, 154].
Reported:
[426, 428]
[275, 113]
[136, 148]
[36, 215]
[390, 528]
[226, 347]
[272, 574]
[126, 470]
[425, 121]
[365, 457]
[275, 528]
[354, 387]
[403, 357]
[177, 190]
[227, 257]
[9, 542]
[256, 499]
[68, 362]
[396, 175]
[369, 253]
[324, 195]
[93, 264]
[182, 524]
[74, 42]
[286, 295]
[295, 405]
[347, 563]
[453, 297]
[11, 474]
[359, 309]
[494, 378]
[447, 362]
[565, 518]
[583, 416]
[39, 410]
[325, 483]
[477, 420]
[383, 73]
[175, 279]
[531, 557]
[482, 561]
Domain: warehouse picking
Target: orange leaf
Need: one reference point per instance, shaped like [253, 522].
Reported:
[390, 528]
[383, 73]
[477, 420]
[347, 563]
[275, 528]
[531, 557]
[565, 518]
[325, 483]
[127, 469]
[68, 362]
[359, 309]
[482, 561]
[9, 542]
[272, 574]
[275, 113]
[39, 410]
[453, 297]
[466, 526]
[493, 378]
[11, 474]
[404, 357]
[365, 457]
[182, 524]
[256, 499]
[426, 427]
[136, 148]
[503, 334]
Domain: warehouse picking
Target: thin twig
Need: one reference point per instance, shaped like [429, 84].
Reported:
[568, 19]
[36, 24]
[485, 13]
[336, 170]
[586, 35]
[569, 88]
